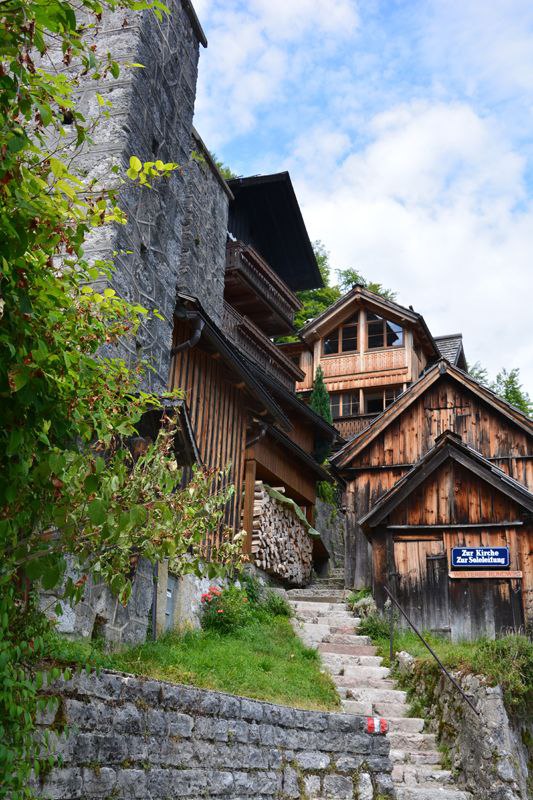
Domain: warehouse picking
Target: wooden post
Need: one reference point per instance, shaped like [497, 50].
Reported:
[250, 469]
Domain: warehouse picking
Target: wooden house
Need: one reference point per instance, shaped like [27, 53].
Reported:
[239, 387]
[447, 464]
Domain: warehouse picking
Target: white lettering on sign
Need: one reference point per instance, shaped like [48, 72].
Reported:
[480, 557]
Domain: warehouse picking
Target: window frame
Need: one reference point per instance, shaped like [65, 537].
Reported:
[385, 322]
[352, 322]
[343, 398]
[396, 389]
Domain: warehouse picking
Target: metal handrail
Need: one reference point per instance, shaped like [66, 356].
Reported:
[435, 656]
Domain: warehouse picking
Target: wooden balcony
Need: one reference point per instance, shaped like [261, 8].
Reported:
[257, 292]
[251, 341]
[349, 426]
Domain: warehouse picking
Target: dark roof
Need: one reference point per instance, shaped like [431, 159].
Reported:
[195, 22]
[382, 305]
[447, 446]
[451, 348]
[358, 442]
[265, 214]
[185, 446]
[188, 307]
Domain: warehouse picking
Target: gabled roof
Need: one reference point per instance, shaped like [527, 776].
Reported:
[451, 348]
[386, 308]
[265, 214]
[355, 445]
[447, 446]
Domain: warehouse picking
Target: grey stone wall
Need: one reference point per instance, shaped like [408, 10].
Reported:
[144, 739]
[331, 522]
[203, 252]
[490, 751]
[151, 118]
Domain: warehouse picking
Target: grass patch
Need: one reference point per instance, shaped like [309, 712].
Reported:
[264, 660]
[507, 661]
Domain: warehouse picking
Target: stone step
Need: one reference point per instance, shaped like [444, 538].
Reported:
[421, 773]
[360, 643]
[406, 724]
[349, 684]
[415, 757]
[363, 709]
[325, 595]
[355, 661]
[430, 793]
[363, 672]
[351, 650]
[319, 605]
[391, 710]
[376, 696]
[419, 742]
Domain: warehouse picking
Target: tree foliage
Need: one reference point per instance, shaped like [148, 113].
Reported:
[319, 397]
[506, 384]
[316, 301]
[68, 488]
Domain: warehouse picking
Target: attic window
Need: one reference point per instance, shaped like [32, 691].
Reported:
[383, 332]
[342, 340]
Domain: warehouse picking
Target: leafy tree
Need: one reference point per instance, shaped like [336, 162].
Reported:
[349, 277]
[319, 397]
[68, 487]
[508, 386]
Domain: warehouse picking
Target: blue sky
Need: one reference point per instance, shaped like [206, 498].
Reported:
[407, 130]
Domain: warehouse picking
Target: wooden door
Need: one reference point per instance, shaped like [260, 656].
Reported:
[485, 607]
[420, 581]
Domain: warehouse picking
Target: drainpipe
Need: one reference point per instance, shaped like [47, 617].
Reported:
[195, 338]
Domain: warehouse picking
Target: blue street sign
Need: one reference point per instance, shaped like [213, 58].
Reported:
[480, 557]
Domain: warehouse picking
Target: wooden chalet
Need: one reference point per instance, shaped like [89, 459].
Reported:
[447, 464]
[370, 350]
[240, 388]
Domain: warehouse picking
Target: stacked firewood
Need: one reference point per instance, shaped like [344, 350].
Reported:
[281, 544]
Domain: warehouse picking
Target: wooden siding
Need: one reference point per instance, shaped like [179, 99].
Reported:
[444, 406]
[217, 408]
[275, 466]
[416, 562]
[350, 426]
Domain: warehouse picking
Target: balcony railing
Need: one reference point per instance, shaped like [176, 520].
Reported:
[248, 338]
[246, 263]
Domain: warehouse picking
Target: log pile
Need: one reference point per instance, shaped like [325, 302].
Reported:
[281, 544]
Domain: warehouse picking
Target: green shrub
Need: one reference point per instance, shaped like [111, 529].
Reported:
[376, 626]
[276, 605]
[252, 586]
[225, 610]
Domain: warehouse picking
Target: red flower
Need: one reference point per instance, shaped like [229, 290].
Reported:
[215, 590]
[220, 611]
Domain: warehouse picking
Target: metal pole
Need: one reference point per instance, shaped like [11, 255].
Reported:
[391, 634]
[435, 656]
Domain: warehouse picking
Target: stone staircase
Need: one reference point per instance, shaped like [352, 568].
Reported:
[323, 621]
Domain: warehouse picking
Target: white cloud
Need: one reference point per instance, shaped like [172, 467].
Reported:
[428, 208]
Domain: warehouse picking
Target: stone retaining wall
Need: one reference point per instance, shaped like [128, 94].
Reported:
[130, 737]
[489, 751]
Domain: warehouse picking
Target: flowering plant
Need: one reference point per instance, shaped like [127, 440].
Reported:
[224, 610]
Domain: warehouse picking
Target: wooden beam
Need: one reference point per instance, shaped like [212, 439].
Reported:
[455, 526]
[250, 469]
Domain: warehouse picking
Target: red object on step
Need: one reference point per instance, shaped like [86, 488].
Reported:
[376, 725]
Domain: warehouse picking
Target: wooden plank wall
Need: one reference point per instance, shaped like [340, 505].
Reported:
[445, 406]
[218, 413]
[416, 561]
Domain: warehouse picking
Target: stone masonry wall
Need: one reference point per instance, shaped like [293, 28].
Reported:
[203, 252]
[144, 739]
[151, 118]
[331, 522]
[489, 751]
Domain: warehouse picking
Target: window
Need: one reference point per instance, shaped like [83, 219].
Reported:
[377, 400]
[383, 333]
[344, 404]
[343, 340]
[335, 405]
